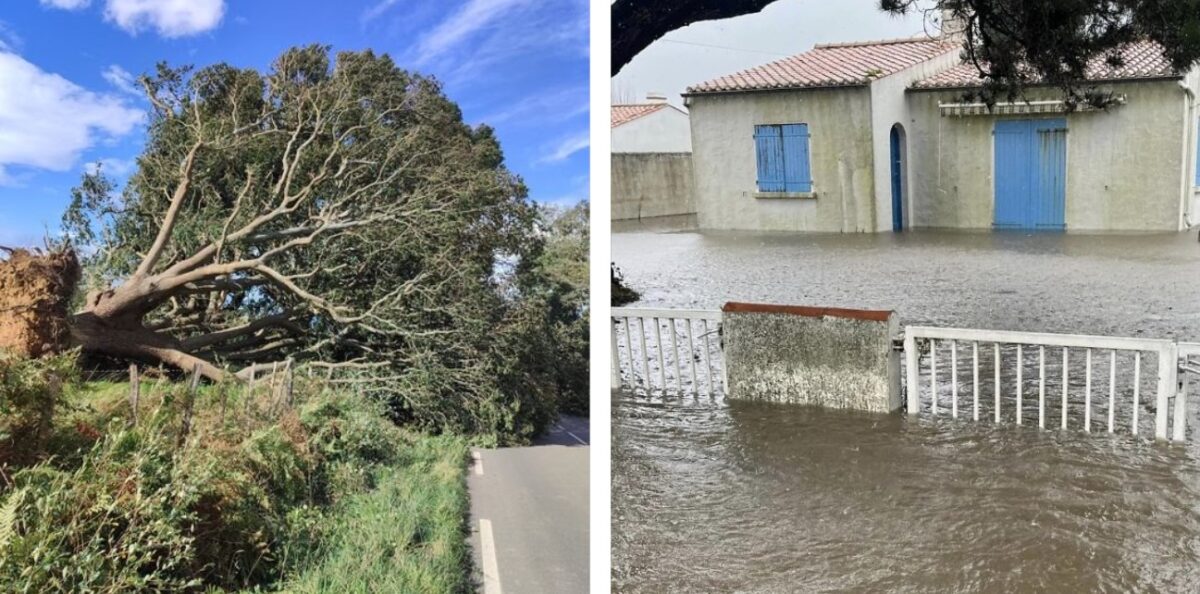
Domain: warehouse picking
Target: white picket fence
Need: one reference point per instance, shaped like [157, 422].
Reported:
[679, 348]
[1116, 362]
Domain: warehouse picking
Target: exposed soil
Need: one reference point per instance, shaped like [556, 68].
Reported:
[35, 292]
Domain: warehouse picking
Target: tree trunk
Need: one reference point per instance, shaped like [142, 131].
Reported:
[128, 338]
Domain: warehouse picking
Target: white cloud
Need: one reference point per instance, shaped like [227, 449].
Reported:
[46, 121]
[544, 106]
[531, 30]
[112, 166]
[578, 192]
[170, 18]
[461, 25]
[569, 146]
[66, 4]
[121, 79]
[378, 9]
[20, 237]
[9, 40]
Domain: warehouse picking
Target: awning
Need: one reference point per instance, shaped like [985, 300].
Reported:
[1017, 108]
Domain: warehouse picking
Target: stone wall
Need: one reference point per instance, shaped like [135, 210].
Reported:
[836, 358]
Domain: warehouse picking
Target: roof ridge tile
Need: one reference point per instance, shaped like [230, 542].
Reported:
[830, 65]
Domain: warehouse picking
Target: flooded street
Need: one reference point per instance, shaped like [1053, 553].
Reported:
[710, 496]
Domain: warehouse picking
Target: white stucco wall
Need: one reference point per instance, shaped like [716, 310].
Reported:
[888, 108]
[664, 131]
[1126, 169]
[840, 147]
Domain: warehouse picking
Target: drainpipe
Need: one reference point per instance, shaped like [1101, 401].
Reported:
[1188, 185]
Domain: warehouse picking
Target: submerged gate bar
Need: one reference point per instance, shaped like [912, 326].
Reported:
[837, 358]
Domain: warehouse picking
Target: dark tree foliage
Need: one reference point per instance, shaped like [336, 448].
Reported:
[1016, 43]
[554, 286]
[621, 293]
[638, 23]
[1013, 43]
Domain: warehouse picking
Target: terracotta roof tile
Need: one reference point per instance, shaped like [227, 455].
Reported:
[843, 64]
[623, 114]
[1143, 59]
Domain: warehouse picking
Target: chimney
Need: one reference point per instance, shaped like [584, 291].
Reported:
[653, 97]
[953, 27]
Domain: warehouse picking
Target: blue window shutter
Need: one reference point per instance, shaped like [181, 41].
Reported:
[769, 152]
[797, 174]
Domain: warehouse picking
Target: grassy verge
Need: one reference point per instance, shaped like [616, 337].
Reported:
[404, 536]
[220, 491]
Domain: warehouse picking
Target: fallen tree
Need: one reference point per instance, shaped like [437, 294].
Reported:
[340, 215]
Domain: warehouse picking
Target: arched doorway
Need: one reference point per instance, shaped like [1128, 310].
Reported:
[897, 160]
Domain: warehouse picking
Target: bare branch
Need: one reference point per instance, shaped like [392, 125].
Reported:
[168, 225]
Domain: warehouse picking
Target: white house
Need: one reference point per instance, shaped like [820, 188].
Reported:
[876, 136]
[651, 127]
[652, 164]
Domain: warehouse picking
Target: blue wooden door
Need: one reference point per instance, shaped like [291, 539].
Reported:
[1030, 174]
[897, 184]
[1050, 197]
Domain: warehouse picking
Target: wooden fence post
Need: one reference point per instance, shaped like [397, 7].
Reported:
[289, 378]
[188, 404]
[135, 388]
[274, 376]
[250, 386]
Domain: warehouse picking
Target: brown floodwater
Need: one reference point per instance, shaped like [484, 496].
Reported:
[716, 496]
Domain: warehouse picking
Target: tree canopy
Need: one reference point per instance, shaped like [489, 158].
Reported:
[1015, 43]
[334, 212]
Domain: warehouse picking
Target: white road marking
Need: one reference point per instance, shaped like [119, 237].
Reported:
[491, 571]
[477, 458]
[564, 430]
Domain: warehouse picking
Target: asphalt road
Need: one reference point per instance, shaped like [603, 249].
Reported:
[529, 514]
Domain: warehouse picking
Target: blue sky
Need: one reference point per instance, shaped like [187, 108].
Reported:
[68, 69]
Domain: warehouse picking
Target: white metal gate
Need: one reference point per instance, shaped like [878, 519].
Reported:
[680, 348]
[1113, 363]
[1189, 376]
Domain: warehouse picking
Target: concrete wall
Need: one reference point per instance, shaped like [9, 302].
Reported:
[1126, 168]
[841, 148]
[651, 185]
[664, 131]
[888, 108]
[813, 356]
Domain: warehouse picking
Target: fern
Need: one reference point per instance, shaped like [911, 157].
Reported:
[8, 517]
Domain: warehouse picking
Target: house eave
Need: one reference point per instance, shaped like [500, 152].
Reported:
[688, 94]
[1042, 85]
